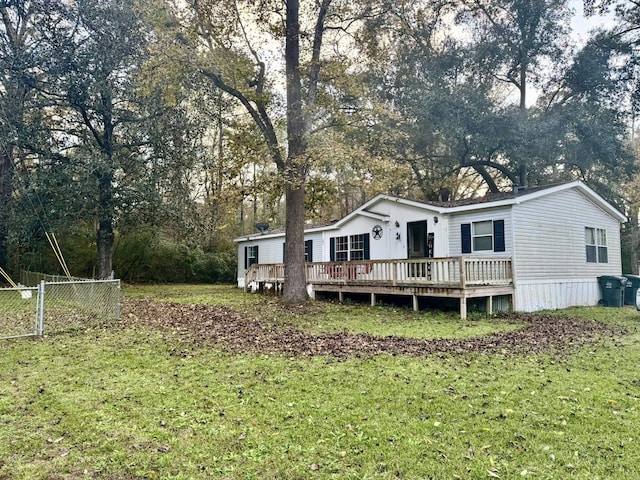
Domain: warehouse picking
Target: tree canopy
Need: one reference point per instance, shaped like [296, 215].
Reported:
[183, 123]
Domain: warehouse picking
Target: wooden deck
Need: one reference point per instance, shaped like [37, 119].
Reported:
[453, 277]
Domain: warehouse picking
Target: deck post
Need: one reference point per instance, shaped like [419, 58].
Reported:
[340, 296]
[490, 305]
[373, 299]
[463, 272]
[463, 308]
[415, 303]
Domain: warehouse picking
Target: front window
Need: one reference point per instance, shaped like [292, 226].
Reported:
[357, 247]
[482, 236]
[342, 249]
[350, 247]
[595, 240]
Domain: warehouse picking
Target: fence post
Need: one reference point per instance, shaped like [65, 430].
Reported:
[118, 307]
[41, 304]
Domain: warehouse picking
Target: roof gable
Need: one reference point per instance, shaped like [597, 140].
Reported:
[368, 209]
[516, 197]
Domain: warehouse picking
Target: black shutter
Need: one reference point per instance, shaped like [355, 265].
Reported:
[498, 236]
[465, 231]
[257, 261]
[308, 250]
[332, 249]
[367, 249]
[246, 257]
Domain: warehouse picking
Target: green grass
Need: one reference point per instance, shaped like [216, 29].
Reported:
[118, 403]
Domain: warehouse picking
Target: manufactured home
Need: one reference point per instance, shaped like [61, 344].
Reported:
[531, 249]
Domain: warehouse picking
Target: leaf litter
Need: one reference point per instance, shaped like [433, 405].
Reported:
[238, 331]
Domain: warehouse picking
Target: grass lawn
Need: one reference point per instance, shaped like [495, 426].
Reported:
[121, 402]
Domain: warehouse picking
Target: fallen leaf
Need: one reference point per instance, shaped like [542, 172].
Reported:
[238, 331]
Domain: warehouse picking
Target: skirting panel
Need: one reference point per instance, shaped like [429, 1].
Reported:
[553, 296]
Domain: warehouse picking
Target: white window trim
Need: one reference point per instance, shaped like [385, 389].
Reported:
[349, 241]
[474, 236]
[600, 239]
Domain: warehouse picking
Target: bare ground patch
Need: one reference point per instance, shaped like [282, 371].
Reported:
[238, 331]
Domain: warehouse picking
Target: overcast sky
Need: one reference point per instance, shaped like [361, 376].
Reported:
[581, 26]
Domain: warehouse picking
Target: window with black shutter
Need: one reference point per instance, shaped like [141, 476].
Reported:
[352, 247]
[465, 231]
[487, 235]
[308, 251]
[250, 256]
[498, 236]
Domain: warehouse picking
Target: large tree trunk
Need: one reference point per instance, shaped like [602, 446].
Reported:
[295, 281]
[6, 189]
[295, 285]
[634, 240]
[523, 161]
[105, 236]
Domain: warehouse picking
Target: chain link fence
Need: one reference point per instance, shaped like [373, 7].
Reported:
[19, 312]
[57, 306]
[75, 305]
[33, 279]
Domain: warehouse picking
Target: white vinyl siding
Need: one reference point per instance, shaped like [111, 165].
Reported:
[550, 238]
[393, 243]
[457, 219]
[269, 251]
[316, 244]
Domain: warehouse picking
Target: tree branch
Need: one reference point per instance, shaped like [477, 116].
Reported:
[258, 114]
[486, 163]
[314, 71]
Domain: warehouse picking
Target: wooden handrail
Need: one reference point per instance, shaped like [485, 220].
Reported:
[453, 272]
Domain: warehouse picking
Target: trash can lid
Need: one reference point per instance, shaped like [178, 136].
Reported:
[616, 279]
[633, 280]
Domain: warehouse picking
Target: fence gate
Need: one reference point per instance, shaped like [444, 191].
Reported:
[20, 312]
[79, 304]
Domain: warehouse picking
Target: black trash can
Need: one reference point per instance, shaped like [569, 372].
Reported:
[631, 289]
[612, 288]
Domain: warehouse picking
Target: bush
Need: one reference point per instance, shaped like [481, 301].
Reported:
[150, 257]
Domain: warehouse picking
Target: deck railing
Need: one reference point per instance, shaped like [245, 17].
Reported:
[264, 272]
[451, 272]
